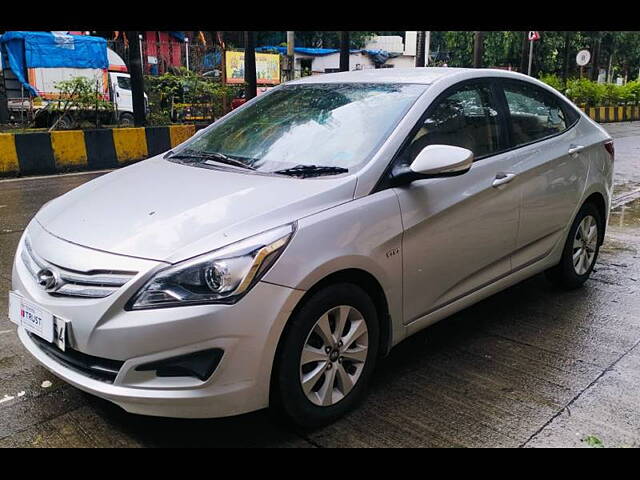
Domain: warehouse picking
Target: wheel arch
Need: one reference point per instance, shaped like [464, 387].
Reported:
[356, 276]
[597, 199]
[367, 282]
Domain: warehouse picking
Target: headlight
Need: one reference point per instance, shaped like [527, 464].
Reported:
[221, 276]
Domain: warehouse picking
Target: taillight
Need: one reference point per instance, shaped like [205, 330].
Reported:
[610, 148]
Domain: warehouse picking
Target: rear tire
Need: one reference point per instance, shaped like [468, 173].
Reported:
[580, 251]
[312, 354]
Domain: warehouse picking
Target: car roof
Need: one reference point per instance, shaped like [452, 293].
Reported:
[420, 75]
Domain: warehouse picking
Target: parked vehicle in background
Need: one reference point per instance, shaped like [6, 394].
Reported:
[34, 64]
[274, 256]
[240, 98]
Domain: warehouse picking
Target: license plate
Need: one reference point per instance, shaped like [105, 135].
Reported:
[37, 320]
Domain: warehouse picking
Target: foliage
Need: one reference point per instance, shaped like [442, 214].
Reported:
[170, 93]
[631, 92]
[82, 93]
[586, 92]
[510, 49]
[593, 441]
[553, 81]
[583, 91]
[79, 95]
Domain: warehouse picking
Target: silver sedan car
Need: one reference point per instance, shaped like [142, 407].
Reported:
[272, 258]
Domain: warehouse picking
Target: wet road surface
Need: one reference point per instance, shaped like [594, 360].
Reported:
[532, 366]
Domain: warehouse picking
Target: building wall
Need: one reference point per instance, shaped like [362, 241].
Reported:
[332, 61]
[357, 61]
[403, 61]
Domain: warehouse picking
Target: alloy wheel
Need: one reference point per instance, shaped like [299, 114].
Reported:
[585, 244]
[334, 355]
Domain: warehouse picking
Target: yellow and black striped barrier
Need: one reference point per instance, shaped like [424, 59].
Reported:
[50, 152]
[620, 113]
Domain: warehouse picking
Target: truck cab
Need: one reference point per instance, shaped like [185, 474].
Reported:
[120, 90]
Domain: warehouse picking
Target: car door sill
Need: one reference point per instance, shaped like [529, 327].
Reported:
[505, 280]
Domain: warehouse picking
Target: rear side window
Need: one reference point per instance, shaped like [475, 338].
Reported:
[465, 118]
[535, 113]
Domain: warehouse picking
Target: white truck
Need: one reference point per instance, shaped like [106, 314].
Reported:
[32, 94]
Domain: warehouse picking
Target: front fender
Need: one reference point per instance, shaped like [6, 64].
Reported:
[364, 234]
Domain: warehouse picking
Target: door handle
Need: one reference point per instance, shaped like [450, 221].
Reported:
[575, 149]
[503, 178]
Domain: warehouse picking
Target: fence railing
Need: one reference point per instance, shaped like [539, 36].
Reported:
[158, 57]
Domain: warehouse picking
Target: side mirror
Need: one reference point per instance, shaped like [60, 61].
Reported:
[442, 160]
[432, 162]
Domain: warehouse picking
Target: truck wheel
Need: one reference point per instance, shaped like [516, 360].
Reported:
[66, 123]
[126, 120]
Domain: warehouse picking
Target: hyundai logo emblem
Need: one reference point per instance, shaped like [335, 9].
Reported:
[46, 279]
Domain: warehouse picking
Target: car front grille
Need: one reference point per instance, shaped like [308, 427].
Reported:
[102, 369]
[72, 283]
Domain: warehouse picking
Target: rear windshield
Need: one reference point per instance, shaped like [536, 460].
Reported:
[335, 125]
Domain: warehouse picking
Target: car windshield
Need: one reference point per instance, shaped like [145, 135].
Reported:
[330, 128]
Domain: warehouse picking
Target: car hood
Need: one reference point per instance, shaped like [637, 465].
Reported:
[165, 211]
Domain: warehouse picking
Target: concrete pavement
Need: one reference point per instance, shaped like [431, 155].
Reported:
[531, 366]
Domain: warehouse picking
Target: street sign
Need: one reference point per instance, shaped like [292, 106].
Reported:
[583, 57]
[533, 36]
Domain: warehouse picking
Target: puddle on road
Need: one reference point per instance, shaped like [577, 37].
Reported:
[626, 215]
[623, 188]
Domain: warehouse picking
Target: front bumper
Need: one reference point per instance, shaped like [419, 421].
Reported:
[248, 333]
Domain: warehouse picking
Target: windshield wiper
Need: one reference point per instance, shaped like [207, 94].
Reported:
[311, 171]
[214, 156]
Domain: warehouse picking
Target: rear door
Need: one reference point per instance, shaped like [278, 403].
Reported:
[550, 178]
[459, 232]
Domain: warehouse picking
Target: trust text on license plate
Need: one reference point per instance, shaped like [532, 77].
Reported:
[37, 320]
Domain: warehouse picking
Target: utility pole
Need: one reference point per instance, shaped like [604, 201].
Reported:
[217, 37]
[420, 48]
[478, 49]
[523, 53]
[344, 51]
[291, 55]
[4, 108]
[565, 63]
[427, 46]
[530, 57]
[137, 79]
[250, 65]
[595, 62]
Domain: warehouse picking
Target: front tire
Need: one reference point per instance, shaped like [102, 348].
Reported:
[327, 356]
[126, 120]
[580, 250]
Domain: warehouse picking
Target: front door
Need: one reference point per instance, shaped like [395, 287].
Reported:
[122, 92]
[459, 232]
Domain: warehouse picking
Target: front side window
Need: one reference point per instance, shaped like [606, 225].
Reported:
[535, 113]
[124, 83]
[329, 125]
[465, 118]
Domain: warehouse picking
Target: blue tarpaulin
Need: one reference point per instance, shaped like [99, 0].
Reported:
[300, 50]
[179, 35]
[377, 56]
[25, 50]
